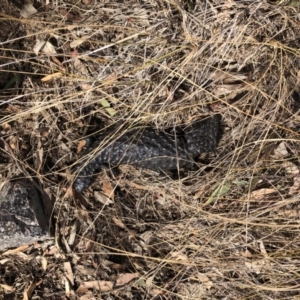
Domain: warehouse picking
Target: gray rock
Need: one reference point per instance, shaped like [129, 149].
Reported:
[22, 217]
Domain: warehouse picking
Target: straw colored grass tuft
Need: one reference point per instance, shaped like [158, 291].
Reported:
[229, 230]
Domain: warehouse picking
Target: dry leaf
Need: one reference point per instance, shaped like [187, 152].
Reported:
[280, 151]
[17, 250]
[72, 235]
[53, 251]
[155, 292]
[118, 222]
[38, 159]
[83, 72]
[78, 42]
[7, 287]
[28, 10]
[102, 198]
[191, 290]
[80, 145]
[107, 187]
[146, 238]
[262, 248]
[85, 270]
[159, 198]
[51, 76]
[68, 15]
[84, 245]
[3, 261]
[255, 266]
[294, 171]
[6, 126]
[69, 272]
[291, 168]
[45, 47]
[44, 263]
[86, 86]
[125, 278]
[225, 89]
[260, 194]
[88, 296]
[178, 255]
[225, 77]
[205, 280]
[13, 143]
[100, 285]
[295, 187]
[27, 293]
[246, 254]
[67, 288]
[80, 67]
[56, 60]
[149, 281]
[23, 256]
[69, 193]
[199, 193]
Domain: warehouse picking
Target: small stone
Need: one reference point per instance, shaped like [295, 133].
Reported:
[22, 217]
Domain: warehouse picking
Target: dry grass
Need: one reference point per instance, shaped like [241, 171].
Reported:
[227, 231]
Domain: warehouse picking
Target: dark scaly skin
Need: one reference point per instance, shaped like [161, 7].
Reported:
[151, 149]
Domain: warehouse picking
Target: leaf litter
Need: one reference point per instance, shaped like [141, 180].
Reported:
[70, 69]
